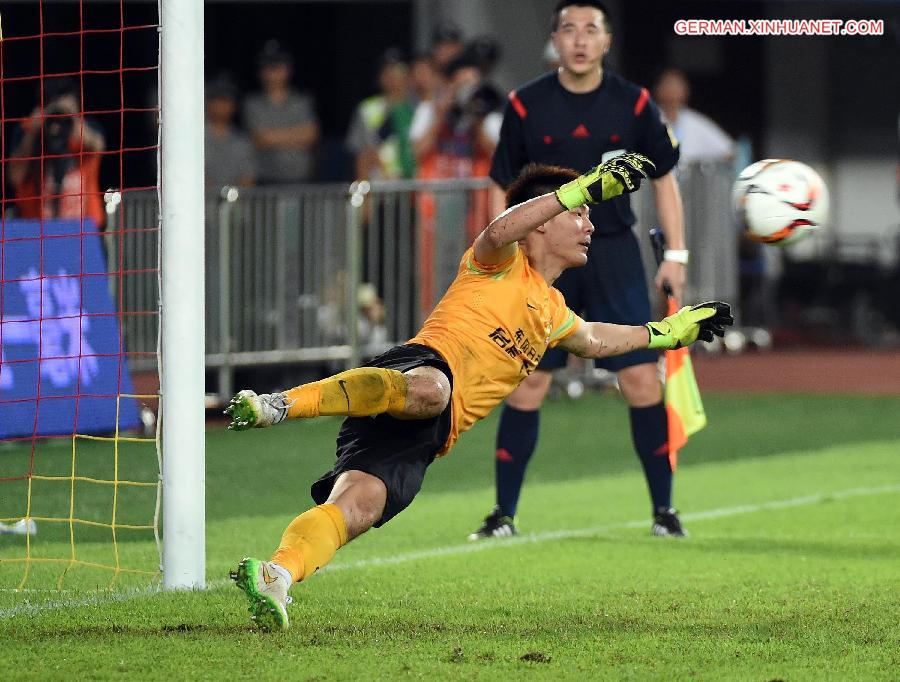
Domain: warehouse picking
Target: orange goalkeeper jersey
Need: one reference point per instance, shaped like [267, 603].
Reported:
[492, 327]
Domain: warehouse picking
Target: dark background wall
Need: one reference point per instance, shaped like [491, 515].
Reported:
[726, 74]
[335, 46]
[749, 85]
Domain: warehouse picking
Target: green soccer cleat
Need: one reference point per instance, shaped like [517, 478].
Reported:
[267, 592]
[249, 410]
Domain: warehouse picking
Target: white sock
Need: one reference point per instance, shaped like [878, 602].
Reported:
[282, 571]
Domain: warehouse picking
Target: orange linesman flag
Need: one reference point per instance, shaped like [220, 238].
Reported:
[684, 407]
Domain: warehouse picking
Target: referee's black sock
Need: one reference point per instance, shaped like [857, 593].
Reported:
[649, 431]
[517, 438]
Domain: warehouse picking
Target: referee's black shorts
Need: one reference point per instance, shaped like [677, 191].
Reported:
[398, 451]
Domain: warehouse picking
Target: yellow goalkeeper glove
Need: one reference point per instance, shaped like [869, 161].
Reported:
[610, 179]
[701, 321]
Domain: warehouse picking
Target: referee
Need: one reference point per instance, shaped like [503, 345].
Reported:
[572, 117]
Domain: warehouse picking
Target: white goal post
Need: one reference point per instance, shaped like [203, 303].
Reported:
[182, 293]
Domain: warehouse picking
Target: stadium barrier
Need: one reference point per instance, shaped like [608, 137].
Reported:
[279, 289]
[710, 230]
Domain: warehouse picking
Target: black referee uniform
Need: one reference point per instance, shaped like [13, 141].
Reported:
[545, 123]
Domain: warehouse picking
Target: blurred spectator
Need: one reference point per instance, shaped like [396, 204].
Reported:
[54, 168]
[372, 331]
[446, 45]
[229, 154]
[485, 52]
[331, 316]
[550, 55]
[425, 80]
[379, 131]
[698, 136]
[282, 122]
[455, 134]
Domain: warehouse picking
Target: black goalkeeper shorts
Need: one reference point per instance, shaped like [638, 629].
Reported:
[398, 451]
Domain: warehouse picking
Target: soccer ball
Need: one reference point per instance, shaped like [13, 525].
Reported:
[779, 201]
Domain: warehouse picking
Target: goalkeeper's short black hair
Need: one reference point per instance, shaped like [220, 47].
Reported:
[535, 180]
[562, 4]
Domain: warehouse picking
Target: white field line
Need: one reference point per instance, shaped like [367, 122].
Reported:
[596, 530]
[101, 598]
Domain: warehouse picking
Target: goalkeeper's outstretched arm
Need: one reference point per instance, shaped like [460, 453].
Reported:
[497, 241]
[610, 179]
[691, 323]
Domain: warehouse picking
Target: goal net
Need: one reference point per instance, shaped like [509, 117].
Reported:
[80, 481]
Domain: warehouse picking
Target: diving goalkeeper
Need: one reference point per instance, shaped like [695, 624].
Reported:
[488, 332]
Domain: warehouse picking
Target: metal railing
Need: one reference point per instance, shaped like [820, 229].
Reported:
[710, 230]
[335, 273]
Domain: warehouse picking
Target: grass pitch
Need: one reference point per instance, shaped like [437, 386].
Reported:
[792, 570]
